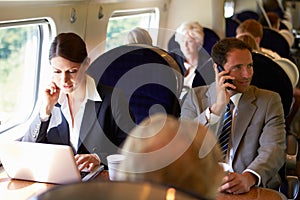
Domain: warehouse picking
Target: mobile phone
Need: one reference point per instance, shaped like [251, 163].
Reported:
[220, 69]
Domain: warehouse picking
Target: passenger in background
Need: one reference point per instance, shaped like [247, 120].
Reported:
[254, 28]
[140, 36]
[279, 7]
[255, 149]
[75, 111]
[183, 154]
[273, 19]
[248, 39]
[275, 24]
[192, 58]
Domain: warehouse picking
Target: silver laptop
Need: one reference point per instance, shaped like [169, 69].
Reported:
[40, 162]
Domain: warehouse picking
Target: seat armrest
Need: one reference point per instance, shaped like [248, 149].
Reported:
[291, 154]
[290, 187]
[290, 183]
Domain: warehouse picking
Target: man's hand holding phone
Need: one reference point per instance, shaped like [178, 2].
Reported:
[223, 93]
[221, 69]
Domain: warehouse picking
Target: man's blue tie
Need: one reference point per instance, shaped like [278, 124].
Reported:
[226, 130]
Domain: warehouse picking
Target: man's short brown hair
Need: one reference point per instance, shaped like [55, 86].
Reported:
[250, 26]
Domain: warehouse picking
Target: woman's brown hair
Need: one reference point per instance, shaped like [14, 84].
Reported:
[69, 46]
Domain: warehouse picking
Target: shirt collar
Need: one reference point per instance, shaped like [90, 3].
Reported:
[91, 92]
[236, 98]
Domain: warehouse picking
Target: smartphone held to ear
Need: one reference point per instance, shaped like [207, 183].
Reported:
[220, 69]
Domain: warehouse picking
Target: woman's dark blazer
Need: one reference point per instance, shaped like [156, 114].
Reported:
[104, 127]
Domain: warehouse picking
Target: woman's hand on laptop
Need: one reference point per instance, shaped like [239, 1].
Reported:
[88, 161]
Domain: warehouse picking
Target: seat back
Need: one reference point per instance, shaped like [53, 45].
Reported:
[276, 42]
[172, 44]
[283, 26]
[246, 14]
[210, 38]
[269, 75]
[148, 76]
[231, 26]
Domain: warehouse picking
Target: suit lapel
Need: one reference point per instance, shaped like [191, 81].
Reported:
[58, 120]
[64, 131]
[245, 106]
[89, 119]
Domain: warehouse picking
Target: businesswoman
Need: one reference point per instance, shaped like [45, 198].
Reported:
[77, 112]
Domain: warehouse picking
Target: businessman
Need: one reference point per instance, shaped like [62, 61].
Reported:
[256, 146]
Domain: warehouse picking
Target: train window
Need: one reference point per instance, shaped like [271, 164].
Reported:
[228, 8]
[20, 59]
[124, 20]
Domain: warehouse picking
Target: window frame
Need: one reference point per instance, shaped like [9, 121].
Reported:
[153, 30]
[45, 32]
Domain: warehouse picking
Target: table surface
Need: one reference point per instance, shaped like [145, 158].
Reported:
[18, 189]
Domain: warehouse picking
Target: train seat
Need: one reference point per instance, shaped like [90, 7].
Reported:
[246, 14]
[276, 42]
[172, 44]
[290, 69]
[278, 81]
[231, 26]
[210, 38]
[148, 76]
